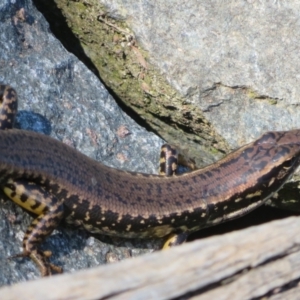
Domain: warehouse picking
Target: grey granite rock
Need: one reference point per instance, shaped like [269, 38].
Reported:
[59, 96]
[236, 60]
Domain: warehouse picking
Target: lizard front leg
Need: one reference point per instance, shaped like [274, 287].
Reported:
[49, 209]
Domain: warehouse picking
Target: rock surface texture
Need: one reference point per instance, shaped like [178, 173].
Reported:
[209, 76]
[237, 61]
[58, 95]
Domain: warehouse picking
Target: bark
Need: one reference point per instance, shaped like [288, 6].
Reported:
[261, 261]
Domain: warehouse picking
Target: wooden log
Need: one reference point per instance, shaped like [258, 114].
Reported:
[254, 262]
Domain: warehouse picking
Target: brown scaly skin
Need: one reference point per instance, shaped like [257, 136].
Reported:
[55, 181]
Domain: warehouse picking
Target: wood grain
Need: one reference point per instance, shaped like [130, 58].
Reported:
[250, 263]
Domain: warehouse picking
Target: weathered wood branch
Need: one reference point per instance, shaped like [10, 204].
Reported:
[245, 264]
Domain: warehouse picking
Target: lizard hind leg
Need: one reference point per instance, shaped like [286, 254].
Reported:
[49, 211]
[175, 239]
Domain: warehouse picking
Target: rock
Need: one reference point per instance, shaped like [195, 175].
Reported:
[207, 77]
[109, 47]
[221, 92]
[232, 66]
[237, 61]
[58, 95]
